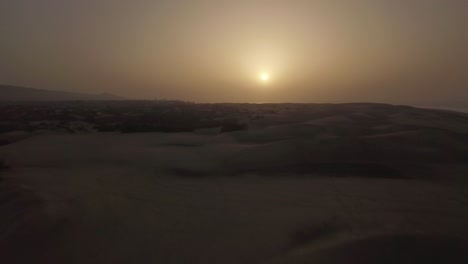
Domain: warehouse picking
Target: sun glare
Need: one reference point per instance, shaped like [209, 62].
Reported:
[264, 77]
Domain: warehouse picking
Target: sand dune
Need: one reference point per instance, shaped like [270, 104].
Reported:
[352, 188]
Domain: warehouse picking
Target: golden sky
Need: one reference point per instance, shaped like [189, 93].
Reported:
[216, 51]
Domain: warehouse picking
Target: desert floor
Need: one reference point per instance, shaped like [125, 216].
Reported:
[175, 198]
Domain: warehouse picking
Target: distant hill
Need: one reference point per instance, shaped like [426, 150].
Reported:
[454, 106]
[16, 93]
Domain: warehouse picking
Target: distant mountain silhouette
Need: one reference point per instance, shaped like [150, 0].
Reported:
[16, 93]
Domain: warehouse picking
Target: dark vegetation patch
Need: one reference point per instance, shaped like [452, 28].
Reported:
[177, 116]
[121, 116]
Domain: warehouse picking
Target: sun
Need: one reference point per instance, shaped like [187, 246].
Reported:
[264, 76]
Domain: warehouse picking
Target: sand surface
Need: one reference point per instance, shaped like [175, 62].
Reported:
[213, 198]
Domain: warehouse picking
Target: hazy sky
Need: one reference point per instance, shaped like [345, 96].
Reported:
[395, 51]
